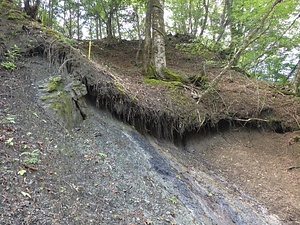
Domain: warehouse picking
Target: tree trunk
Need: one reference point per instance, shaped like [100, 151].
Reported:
[65, 16]
[158, 46]
[138, 25]
[32, 10]
[203, 25]
[190, 23]
[296, 81]
[70, 23]
[78, 20]
[118, 25]
[225, 19]
[109, 25]
[100, 28]
[97, 26]
[137, 18]
[50, 13]
[147, 44]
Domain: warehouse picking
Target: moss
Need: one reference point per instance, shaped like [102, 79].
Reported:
[172, 76]
[66, 40]
[51, 32]
[151, 73]
[170, 84]
[168, 75]
[55, 84]
[15, 15]
[5, 5]
[119, 87]
[62, 105]
[45, 97]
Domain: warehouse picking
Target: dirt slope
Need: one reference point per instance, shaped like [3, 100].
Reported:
[101, 171]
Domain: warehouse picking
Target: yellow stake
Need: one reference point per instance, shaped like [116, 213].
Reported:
[90, 46]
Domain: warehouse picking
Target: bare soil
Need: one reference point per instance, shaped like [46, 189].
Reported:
[261, 164]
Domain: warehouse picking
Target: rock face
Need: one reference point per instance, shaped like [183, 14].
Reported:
[63, 101]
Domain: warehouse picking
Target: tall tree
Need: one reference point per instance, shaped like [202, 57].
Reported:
[147, 42]
[158, 46]
[154, 54]
[50, 13]
[189, 16]
[32, 7]
[296, 81]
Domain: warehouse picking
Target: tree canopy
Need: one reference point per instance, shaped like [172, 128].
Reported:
[218, 25]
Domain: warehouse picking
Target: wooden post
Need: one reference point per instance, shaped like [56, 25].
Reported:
[90, 46]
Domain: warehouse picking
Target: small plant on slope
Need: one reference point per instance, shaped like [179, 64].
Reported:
[31, 157]
[11, 57]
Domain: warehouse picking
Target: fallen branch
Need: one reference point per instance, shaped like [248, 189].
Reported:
[30, 167]
[64, 63]
[294, 167]
[253, 119]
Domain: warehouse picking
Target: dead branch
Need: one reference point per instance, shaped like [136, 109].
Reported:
[64, 63]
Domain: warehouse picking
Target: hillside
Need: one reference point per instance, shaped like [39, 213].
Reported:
[95, 142]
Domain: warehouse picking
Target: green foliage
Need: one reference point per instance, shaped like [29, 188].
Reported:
[4, 5]
[66, 40]
[16, 15]
[9, 142]
[9, 65]
[272, 54]
[173, 200]
[9, 119]
[188, 16]
[219, 26]
[11, 57]
[22, 172]
[102, 155]
[31, 157]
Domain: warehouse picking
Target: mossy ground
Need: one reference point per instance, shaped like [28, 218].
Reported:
[170, 84]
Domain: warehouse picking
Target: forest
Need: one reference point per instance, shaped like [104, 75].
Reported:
[222, 26]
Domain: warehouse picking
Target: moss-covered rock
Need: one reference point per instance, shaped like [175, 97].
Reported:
[63, 102]
[54, 84]
[172, 76]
